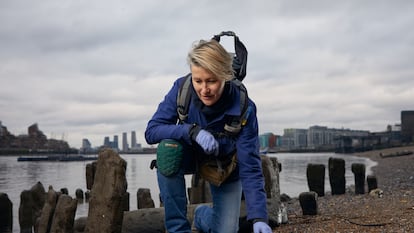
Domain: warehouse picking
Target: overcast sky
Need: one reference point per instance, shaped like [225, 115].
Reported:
[90, 69]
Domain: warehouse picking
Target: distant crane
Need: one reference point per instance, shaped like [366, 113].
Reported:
[53, 136]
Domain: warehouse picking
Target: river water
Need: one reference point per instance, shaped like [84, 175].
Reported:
[18, 176]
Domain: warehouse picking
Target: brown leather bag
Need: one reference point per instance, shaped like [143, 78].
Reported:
[216, 171]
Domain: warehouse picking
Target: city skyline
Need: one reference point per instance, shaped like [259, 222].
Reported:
[301, 137]
[393, 127]
[125, 146]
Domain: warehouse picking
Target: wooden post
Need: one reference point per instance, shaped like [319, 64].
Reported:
[315, 174]
[359, 173]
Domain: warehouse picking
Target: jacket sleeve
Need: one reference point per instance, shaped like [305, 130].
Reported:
[250, 168]
[163, 124]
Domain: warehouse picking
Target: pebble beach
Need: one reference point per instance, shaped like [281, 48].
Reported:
[393, 211]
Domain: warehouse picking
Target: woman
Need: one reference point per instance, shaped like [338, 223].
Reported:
[214, 98]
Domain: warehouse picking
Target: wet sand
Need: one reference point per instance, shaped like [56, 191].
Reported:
[393, 212]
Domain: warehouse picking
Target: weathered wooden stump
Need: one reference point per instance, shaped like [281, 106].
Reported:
[79, 194]
[31, 204]
[337, 175]
[64, 216]
[359, 174]
[79, 225]
[90, 174]
[87, 195]
[144, 199]
[270, 170]
[44, 222]
[64, 191]
[125, 201]
[110, 185]
[274, 179]
[26, 212]
[372, 183]
[6, 214]
[315, 174]
[308, 203]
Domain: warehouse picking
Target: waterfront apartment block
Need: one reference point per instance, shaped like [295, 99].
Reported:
[316, 138]
[407, 126]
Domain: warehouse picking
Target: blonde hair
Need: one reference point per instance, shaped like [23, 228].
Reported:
[212, 56]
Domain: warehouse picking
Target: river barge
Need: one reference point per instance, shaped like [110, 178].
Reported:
[57, 158]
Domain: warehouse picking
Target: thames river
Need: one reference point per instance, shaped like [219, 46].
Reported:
[18, 176]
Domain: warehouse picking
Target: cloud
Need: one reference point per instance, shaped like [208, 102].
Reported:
[99, 68]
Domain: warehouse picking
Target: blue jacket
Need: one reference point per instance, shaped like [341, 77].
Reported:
[163, 125]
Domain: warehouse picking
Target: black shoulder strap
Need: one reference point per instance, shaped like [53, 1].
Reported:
[183, 99]
[244, 104]
[236, 123]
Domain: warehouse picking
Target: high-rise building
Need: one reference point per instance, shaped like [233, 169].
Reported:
[407, 126]
[115, 143]
[86, 143]
[133, 139]
[107, 142]
[124, 142]
[86, 146]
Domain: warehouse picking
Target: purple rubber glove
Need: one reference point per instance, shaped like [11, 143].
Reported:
[261, 227]
[207, 141]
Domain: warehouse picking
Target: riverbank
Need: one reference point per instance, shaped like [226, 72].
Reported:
[393, 212]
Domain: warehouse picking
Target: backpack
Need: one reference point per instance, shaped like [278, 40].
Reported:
[233, 127]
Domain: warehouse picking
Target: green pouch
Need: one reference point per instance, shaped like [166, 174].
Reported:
[169, 156]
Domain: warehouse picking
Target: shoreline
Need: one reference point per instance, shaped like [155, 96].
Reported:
[393, 212]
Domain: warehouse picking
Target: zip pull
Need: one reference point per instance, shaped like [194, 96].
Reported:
[246, 115]
[219, 167]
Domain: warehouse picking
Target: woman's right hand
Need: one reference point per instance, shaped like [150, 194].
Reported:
[207, 141]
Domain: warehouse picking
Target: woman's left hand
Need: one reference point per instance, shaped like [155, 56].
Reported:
[261, 227]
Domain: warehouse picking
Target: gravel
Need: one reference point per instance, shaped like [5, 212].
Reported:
[393, 212]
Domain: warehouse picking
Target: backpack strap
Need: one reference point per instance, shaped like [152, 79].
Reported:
[237, 122]
[183, 99]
